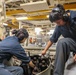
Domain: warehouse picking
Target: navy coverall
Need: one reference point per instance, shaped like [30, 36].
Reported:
[9, 47]
[65, 45]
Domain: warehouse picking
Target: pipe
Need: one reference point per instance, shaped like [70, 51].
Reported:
[11, 1]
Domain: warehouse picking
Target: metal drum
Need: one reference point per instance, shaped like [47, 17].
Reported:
[46, 71]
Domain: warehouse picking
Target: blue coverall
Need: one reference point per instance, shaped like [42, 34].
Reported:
[65, 45]
[9, 47]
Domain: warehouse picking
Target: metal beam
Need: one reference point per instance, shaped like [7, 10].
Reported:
[70, 6]
[13, 26]
[14, 12]
[37, 17]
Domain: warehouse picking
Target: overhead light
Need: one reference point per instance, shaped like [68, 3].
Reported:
[22, 18]
[5, 24]
[47, 16]
[38, 30]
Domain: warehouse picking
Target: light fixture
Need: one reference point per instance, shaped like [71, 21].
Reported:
[5, 24]
[37, 30]
[51, 32]
[47, 16]
[22, 18]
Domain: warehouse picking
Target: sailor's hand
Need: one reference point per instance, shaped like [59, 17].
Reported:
[31, 64]
[43, 52]
[74, 57]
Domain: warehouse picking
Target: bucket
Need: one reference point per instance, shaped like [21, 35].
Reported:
[47, 71]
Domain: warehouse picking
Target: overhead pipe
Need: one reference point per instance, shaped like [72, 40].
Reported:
[8, 1]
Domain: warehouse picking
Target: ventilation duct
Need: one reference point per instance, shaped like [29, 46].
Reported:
[35, 6]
